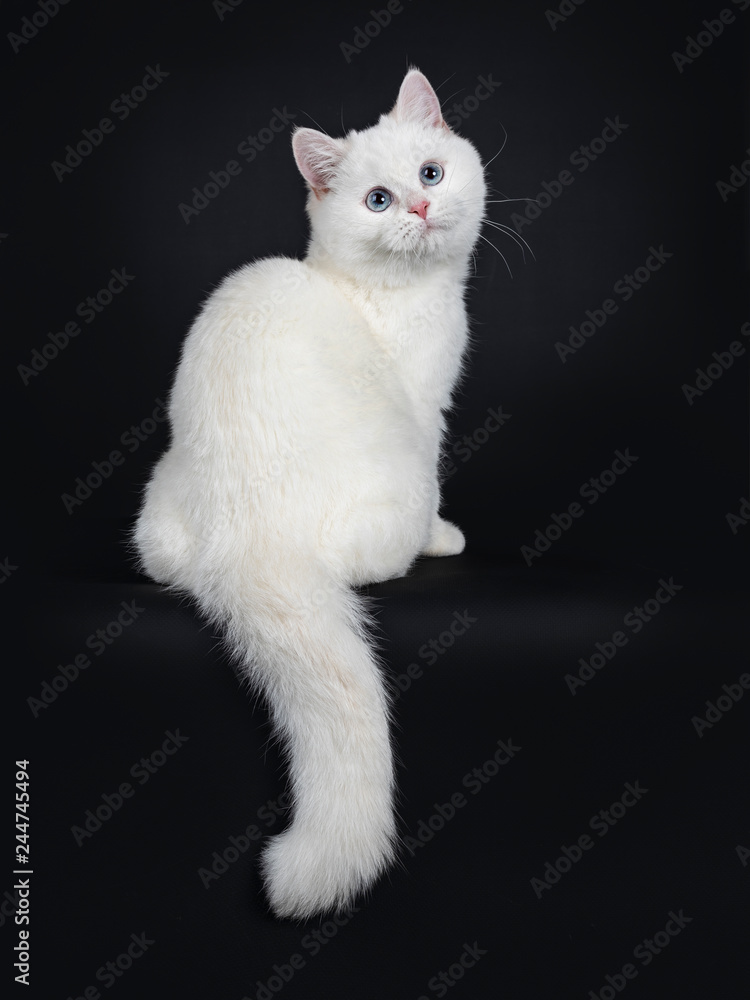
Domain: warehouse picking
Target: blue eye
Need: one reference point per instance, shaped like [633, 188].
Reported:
[431, 173]
[378, 200]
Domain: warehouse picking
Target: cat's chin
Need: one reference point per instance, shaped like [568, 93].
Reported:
[412, 263]
[426, 243]
[436, 238]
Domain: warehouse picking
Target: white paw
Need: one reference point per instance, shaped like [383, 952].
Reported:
[446, 539]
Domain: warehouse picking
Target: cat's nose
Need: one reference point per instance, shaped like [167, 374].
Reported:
[420, 208]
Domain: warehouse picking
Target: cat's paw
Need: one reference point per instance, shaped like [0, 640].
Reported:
[445, 539]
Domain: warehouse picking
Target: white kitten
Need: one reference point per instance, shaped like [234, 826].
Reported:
[307, 416]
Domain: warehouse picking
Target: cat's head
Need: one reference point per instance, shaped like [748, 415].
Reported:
[395, 199]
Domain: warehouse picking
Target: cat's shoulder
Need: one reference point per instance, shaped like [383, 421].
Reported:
[268, 298]
[272, 279]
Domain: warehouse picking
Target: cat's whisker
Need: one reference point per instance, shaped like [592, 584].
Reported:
[491, 159]
[491, 189]
[495, 248]
[503, 201]
[449, 179]
[505, 140]
[320, 127]
[454, 94]
[444, 83]
[513, 235]
[470, 181]
[484, 168]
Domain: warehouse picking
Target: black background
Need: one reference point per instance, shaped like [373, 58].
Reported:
[655, 185]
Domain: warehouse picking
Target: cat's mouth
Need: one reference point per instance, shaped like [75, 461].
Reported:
[422, 228]
[421, 237]
[426, 234]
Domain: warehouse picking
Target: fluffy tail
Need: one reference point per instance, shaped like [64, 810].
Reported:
[301, 639]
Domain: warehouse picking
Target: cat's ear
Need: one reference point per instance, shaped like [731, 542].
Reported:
[418, 102]
[318, 157]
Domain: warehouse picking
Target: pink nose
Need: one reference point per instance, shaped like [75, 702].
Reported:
[420, 208]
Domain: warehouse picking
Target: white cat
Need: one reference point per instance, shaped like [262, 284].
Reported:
[307, 416]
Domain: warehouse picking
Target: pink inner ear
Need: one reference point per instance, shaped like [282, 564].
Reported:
[417, 101]
[317, 156]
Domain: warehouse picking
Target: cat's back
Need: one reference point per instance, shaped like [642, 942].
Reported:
[275, 299]
[278, 335]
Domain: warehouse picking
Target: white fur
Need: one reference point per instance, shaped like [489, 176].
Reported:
[307, 415]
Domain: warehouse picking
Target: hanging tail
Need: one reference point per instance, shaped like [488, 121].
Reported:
[301, 640]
